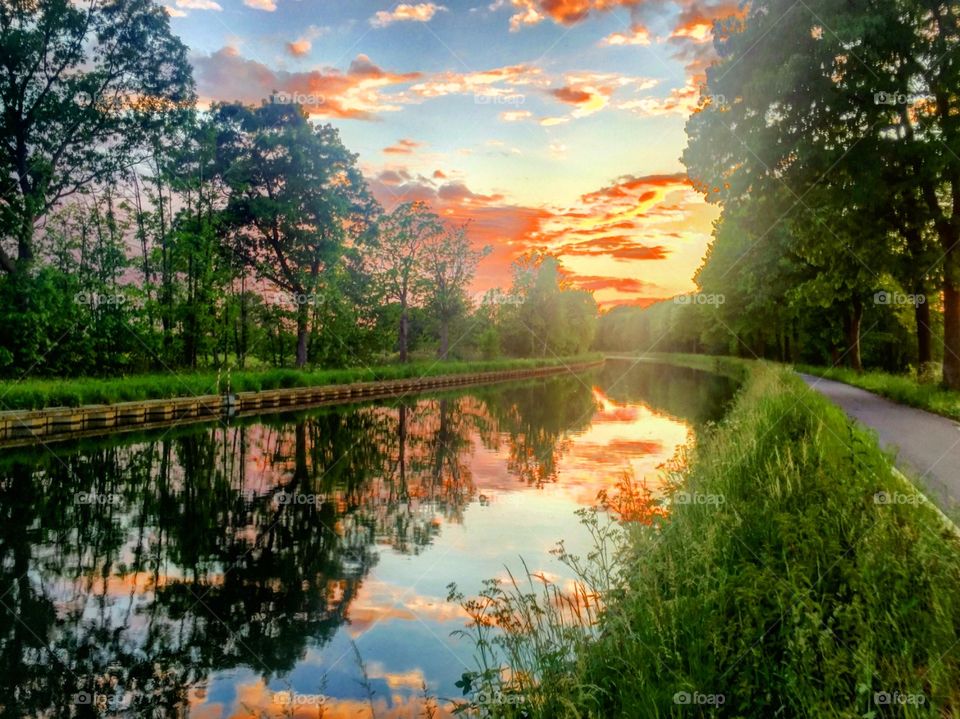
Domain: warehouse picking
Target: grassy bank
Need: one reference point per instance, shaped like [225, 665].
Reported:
[37, 393]
[905, 389]
[794, 575]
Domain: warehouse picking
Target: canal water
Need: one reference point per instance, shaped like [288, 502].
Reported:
[298, 564]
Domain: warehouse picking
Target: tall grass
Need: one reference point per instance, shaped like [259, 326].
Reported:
[794, 575]
[37, 393]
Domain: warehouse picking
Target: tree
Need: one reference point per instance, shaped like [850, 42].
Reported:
[852, 109]
[550, 316]
[403, 238]
[450, 264]
[297, 200]
[80, 86]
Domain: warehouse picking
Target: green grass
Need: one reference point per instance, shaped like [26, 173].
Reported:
[792, 587]
[905, 389]
[38, 393]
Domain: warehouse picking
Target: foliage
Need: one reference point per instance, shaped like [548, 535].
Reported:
[789, 593]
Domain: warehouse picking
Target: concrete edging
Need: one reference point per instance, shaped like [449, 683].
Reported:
[26, 427]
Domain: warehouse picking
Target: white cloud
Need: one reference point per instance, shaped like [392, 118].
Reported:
[422, 12]
[199, 5]
[516, 115]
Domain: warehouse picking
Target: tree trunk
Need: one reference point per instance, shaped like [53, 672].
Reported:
[302, 333]
[853, 334]
[404, 328]
[25, 244]
[444, 338]
[951, 333]
[924, 333]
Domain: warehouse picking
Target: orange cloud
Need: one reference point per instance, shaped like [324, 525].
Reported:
[302, 45]
[638, 35]
[496, 82]
[571, 95]
[620, 284]
[607, 239]
[618, 247]
[632, 186]
[696, 21]
[402, 147]
[355, 94]
[298, 48]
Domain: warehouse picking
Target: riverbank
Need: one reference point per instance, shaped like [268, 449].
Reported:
[74, 392]
[794, 574]
[22, 427]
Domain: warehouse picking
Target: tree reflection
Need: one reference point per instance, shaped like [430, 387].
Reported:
[537, 419]
[134, 570]
[689, 394]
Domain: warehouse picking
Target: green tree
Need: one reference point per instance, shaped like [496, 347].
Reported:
[397, 260]
[297, 200]
[80, 86]
[450, 264]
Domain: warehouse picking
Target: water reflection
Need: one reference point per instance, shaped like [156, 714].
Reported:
[205, 572]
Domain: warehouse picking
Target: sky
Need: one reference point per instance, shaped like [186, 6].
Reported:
[546, 124]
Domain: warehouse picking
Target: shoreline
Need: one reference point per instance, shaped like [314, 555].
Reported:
[20, 428]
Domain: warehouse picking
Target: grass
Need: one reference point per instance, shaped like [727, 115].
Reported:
[38, 393]
[789, 572]
[905, 389]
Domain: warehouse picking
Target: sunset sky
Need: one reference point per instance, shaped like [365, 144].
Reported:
[554, 124]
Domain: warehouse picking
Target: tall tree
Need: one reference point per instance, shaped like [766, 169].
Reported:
[297, 200]
[403, 238]
[450, 264]
[81, 84]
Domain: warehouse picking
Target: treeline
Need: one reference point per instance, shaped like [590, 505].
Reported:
[829, 133]
[139, 232]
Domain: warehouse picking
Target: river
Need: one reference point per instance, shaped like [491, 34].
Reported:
[227, 570]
